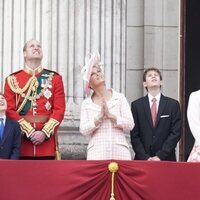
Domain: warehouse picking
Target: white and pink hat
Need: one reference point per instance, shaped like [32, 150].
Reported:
[91, 60]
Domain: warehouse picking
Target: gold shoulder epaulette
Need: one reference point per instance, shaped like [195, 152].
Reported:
[13, 83]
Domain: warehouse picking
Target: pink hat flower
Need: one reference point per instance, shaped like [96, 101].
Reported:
[91, 60]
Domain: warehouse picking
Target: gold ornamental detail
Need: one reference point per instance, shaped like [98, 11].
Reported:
[113, 168]
[31, 87]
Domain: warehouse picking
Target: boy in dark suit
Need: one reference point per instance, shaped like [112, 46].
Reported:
[157, 121]
[10, 134]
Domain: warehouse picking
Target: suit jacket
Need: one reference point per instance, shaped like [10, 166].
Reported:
[10, 143]
[161, 140]
[108, 140]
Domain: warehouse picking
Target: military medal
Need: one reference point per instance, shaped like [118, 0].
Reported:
[49, 84]
[47, 93]
[48, 105]
[44, 82]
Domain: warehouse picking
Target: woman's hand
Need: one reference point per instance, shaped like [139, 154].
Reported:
[107, 113]
[100, 117]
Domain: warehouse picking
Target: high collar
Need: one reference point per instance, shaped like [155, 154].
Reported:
[33, 71]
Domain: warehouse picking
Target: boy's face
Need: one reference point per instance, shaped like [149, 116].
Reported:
[3, 103]
[152, 80]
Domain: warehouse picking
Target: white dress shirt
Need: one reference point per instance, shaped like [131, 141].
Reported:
[157, 97]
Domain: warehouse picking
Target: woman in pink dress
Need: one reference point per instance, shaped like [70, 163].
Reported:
[105, 116]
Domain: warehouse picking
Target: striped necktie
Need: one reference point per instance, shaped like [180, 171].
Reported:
[1, 128]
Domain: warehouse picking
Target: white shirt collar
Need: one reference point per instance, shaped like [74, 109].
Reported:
[157, 99]
[157, 96]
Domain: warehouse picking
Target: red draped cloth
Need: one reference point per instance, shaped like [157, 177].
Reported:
[91, 180]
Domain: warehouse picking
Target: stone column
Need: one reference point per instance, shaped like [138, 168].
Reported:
[68, 30]
[161, 41]
[129, 35]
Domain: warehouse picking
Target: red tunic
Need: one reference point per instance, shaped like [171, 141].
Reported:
[49, 106]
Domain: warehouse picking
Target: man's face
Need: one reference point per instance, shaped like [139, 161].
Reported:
[3, 103]
[152, 80]
[33, 51]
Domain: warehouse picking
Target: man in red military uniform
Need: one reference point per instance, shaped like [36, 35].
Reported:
[36, 100]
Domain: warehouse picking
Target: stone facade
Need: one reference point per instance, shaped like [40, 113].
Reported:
[129, 34]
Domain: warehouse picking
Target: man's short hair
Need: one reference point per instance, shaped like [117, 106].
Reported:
[151, 69]
[25, 46]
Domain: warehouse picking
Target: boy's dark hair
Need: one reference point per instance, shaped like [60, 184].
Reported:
[151, 69]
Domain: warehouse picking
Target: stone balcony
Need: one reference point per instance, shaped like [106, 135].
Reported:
[72, 144]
